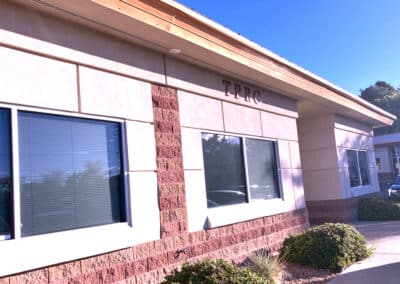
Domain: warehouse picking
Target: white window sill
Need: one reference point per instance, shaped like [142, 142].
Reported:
[231, 214]
[48, 249]
[363, 190]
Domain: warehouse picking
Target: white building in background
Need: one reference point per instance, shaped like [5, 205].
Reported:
[387, 152]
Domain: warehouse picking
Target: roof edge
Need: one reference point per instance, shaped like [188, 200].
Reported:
[264, 51]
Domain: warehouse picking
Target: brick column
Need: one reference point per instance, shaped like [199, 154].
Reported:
[170, 174]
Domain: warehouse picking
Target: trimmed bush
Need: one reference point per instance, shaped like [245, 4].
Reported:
[378, 209]
[329, 246]
[213, 272]
[265, 265]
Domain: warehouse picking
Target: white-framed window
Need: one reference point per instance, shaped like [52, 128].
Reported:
[63, 173]
[239, 169]
[358, 167]
[118, 226]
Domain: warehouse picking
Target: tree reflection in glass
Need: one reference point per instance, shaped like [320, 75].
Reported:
[70, 173]
[262, 169]
[224, 169]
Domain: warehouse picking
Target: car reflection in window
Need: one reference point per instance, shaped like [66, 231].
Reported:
[226, 196]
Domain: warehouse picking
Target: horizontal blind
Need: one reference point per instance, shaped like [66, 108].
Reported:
[70, 173]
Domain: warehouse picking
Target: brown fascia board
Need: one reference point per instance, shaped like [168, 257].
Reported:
[168, 24]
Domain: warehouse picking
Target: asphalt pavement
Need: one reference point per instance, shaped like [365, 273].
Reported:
[384, 265]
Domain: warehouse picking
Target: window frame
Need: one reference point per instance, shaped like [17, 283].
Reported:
[243, 138]
[357, 151]
[42, 250]
[15, 158]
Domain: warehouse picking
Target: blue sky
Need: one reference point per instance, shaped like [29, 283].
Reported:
[351, 43]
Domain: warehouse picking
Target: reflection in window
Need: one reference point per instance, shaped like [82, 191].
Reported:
[5, 175]
[70, 173]
[358, 167]
[262, 169]
[225, 164]
[224, 170]
[363, 161]
[353, 168]
[378, 163]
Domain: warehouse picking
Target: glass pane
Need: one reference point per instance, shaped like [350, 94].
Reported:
[224, 170]
[353, 168]
[98, 168]
[396, 165]
[70, 173]
[262, 169]
[363, 160]
[5, 175]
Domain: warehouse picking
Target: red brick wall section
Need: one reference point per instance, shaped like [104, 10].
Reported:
[171, 184]
[150, 262]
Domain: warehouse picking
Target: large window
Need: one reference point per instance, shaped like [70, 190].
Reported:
[239, 170]
[358, 167]
[70, 173]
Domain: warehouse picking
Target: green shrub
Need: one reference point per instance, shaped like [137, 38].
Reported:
[329, 246]
[213, 272]
[378, 209]
[265, 265]
[395, 198]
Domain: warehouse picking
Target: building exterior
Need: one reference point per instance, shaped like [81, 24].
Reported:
[387, 152]
[138, 134]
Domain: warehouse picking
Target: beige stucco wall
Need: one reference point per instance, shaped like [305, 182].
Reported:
[204, 114]
[44, 34]
[324, 141]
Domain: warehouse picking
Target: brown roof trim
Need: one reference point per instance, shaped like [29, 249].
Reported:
[255, 48]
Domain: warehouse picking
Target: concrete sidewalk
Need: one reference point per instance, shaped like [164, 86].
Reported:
[384, 265]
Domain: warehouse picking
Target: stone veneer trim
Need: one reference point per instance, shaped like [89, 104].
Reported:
[170, 174]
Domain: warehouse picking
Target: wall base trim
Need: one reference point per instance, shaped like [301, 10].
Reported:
[338, 210]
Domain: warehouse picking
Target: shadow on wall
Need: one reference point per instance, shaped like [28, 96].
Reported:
[388, 274]
[47, 28]
[298, 188]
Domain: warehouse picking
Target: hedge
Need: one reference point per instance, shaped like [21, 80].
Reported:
[329, 246]
[378, 209]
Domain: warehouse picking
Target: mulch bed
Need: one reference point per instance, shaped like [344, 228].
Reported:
[297, 274]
